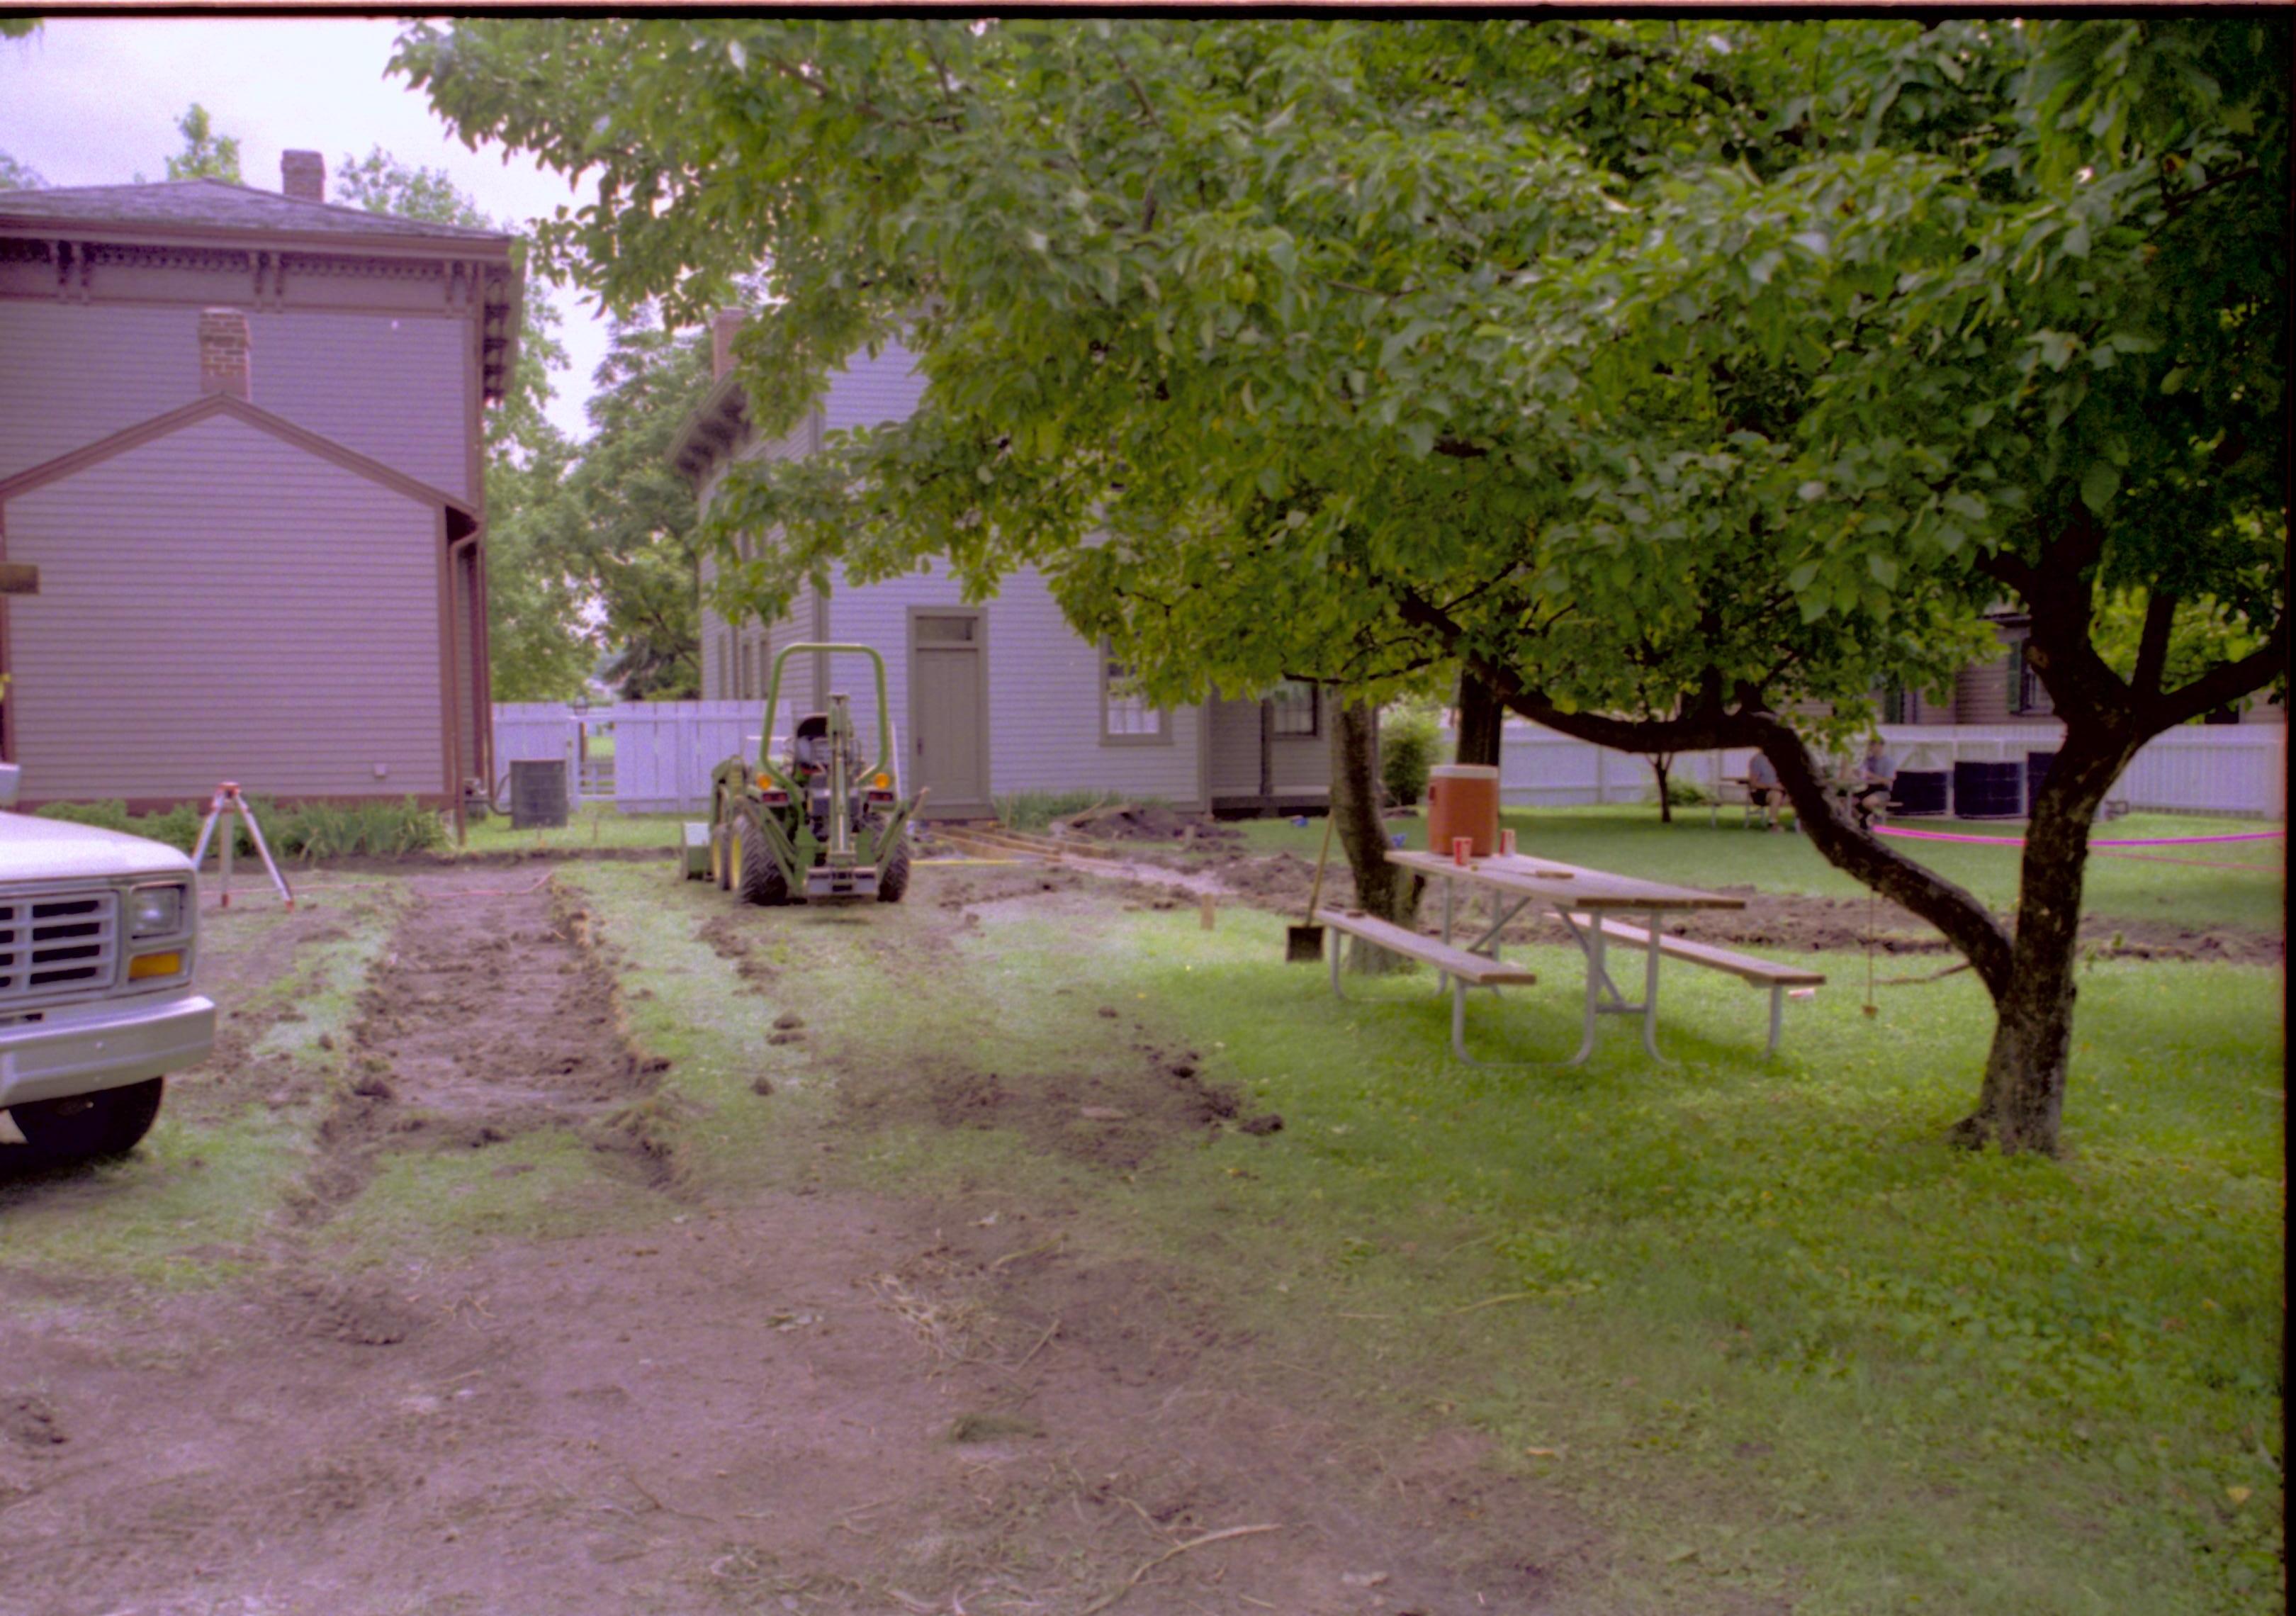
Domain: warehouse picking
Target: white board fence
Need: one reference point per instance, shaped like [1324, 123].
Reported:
[662, 753]
[2236, 770]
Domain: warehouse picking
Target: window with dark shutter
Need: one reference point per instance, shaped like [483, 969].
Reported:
[1294, 704]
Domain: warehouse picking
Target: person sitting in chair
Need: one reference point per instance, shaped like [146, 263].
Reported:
[1763, 790]
[1877, 781]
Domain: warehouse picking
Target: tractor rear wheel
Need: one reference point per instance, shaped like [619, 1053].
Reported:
[760, 877]
[721, 856]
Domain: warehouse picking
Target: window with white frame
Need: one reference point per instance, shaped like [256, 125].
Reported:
[1126, 716]
[1294, 707]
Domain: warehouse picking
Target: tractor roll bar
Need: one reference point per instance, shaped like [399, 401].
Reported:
[884, 764]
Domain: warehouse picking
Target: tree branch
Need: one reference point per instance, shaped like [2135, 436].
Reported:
[1706, 725]
[2153, 644]
[2178, 202]
[2225, 683]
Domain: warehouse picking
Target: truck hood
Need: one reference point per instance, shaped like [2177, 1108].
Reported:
[54, 850]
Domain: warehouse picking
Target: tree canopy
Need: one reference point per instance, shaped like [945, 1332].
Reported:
[1705, 370]
[206, 154]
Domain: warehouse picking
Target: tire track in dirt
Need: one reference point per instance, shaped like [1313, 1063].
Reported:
[491, 1013]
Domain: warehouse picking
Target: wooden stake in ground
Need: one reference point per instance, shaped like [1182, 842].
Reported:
[1205, 910]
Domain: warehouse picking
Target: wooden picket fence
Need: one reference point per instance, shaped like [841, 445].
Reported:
[661, 754]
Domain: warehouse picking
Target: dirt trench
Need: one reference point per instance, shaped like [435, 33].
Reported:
[490, 1014]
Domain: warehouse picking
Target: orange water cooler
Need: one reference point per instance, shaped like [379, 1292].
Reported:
[1463, 800]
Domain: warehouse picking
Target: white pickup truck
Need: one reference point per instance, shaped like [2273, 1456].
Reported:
[98, 936]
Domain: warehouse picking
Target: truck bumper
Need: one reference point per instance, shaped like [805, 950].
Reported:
[81, 1048]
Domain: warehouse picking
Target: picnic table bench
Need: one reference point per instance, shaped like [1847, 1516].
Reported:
[1754, 973]
[1462, 967]
[1584, 901]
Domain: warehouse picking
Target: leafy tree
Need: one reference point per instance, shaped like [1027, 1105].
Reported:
[206, 155]
[625, 523]
[539, 646]
[2203, 633]
[18, 177]
[1672, 379]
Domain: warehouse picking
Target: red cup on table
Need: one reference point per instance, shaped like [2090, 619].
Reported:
[1506, 842]
[1463, 850]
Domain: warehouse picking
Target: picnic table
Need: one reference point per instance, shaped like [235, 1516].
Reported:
[1591, 904]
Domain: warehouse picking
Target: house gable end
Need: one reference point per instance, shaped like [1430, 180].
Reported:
[460, 519]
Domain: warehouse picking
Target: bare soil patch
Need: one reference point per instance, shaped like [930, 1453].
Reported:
[490, 1014]
[813, 1404]
[1151, 822]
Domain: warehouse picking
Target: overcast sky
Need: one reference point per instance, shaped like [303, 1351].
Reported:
[94, 101]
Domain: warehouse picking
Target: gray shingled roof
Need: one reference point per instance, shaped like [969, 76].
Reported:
[213, 204]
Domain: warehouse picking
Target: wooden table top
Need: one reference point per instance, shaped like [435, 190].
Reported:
[1563, 883]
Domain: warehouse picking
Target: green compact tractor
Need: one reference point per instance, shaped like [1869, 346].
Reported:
[815, 825]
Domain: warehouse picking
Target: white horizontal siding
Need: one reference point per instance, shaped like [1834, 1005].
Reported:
[870, 393]
[281, 630]
[1044, 701]
[1302, 764]
[1235, 749]
[72, 373]
[878, 617]
[795, 694]
[1045, 711]
[393, 387]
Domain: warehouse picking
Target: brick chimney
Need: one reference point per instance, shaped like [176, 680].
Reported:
[303, 175]
[722, 327]
[223, 353]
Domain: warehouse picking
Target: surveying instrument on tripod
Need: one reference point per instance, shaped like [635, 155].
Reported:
[228, 800]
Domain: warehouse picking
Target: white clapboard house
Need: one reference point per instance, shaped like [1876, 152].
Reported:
[991, 699]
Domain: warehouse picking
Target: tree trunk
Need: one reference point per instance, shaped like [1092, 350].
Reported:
[1380, 888]
[1661, 762]
[1482, 715]
[2022, 1103]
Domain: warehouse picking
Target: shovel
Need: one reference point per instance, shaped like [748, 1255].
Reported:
[1303, 945]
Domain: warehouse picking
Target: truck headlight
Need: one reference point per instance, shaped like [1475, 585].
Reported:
[155, 911]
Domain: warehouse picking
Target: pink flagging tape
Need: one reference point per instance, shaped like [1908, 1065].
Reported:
[2137, 841]
[2205, 864]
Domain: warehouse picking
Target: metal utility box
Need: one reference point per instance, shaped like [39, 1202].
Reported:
[537, 793]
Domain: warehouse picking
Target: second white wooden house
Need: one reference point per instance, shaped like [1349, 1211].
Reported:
[994, 698]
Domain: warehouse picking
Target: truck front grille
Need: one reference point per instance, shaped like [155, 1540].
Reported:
[57, 944]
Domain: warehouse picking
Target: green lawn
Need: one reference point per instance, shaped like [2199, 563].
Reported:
[1630, 840]
[1755, 1320]
[590, 825]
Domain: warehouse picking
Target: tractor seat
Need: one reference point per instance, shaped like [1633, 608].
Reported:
[810, 747]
